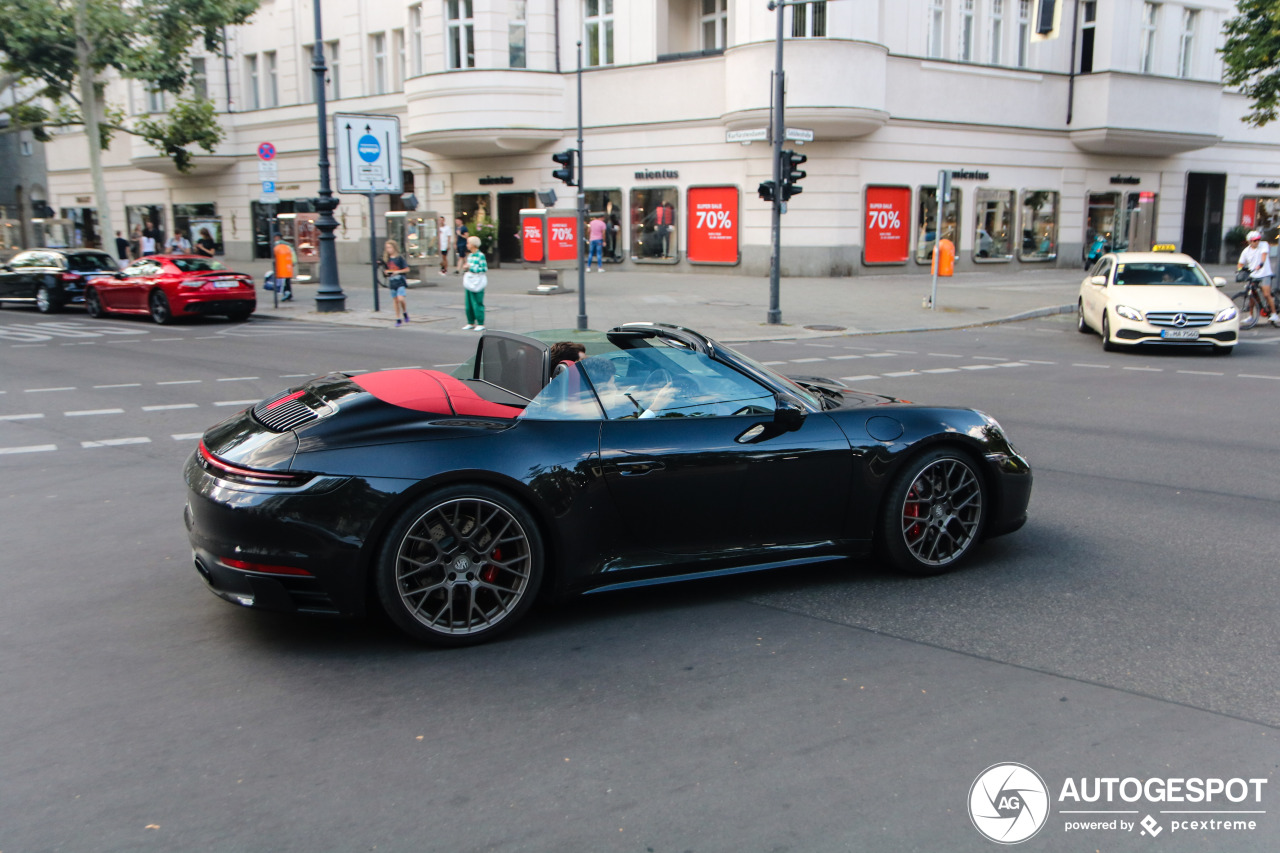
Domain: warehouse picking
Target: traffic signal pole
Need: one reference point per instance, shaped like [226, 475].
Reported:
[774, 317]
[582, 204]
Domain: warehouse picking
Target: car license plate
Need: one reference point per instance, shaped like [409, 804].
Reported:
[226, 282]
[1179, 334]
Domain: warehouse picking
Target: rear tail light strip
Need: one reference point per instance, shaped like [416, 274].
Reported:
[250, 476]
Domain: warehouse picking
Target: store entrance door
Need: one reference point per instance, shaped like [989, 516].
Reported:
[1202, 216]
[509, 207]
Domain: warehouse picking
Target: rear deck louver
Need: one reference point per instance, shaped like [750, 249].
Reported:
[286, 412]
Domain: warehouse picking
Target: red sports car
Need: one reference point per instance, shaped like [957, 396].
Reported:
[170, 286]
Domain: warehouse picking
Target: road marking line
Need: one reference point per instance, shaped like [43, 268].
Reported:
[170, 407]
[121, 385]
[1257, 376]
[81, 343]
[27, 346]
[806, 360]
[115, 442]
[902, 351]
[1033, 361]
[160, 340]
[1147, 369]
[842, 357]
[978, 367]
[31, 448]
[881, 354]
[1202, 372]
[987, 358]
[84, 412]
[301, 375]
[822, 346]
[187, 436]
[455, 364]
[858, 378]
[42, 390]
[237, 402]
[413, 367]
[237, 378]
[1012, 364]
[902, 373]
[1101, 366]
[943, 370]
[773, 363]
[181, 382]
[945, 355]
[30, 417]
[210, 338]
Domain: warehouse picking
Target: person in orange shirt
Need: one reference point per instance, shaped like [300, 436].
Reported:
[285, 262]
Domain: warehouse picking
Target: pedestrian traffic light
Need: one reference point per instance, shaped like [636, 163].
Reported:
[766, 190]
[566, 171]
[791, 175]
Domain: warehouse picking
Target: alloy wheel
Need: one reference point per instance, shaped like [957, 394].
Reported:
[942, 512]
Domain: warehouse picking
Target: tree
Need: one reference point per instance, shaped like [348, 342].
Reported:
[56, 54]
[1251, 57]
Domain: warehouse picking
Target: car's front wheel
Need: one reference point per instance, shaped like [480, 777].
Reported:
[93, 303]
[1081, 326]
[459, 566]
[1106, 333]
[933, 513]
[158, 304]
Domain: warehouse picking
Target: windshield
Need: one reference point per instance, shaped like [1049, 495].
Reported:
[197, 265]
[91, 262]
[799, 391]
[1162, 273]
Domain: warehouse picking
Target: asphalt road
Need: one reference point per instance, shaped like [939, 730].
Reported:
[1127, 631]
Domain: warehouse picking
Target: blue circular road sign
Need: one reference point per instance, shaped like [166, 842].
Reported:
[368, 148]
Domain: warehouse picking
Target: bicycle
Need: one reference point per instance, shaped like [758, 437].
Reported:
[1249, 304]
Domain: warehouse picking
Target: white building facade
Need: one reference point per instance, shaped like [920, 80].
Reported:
[1118, 132]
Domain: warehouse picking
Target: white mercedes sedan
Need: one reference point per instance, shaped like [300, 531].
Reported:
[1159, 298]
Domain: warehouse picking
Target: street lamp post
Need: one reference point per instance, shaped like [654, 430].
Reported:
[329, 296]
[774, 317]
[582, 204]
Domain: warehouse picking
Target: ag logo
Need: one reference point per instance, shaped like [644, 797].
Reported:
[1008, 803]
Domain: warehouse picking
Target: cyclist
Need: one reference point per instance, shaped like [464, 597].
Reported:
[1256, 258]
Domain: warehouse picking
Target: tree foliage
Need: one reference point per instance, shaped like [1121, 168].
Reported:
[1251, 57]
[143, 40]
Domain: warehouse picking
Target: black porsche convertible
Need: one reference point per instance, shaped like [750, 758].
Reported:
[651, 454]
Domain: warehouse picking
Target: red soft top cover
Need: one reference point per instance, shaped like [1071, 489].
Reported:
[431, 391]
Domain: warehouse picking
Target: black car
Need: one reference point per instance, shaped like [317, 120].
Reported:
[53, 278]
[451, 501]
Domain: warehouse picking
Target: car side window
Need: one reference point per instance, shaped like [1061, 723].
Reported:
[669, 382]
[1103, 267]
[22, 260]
[567, 397]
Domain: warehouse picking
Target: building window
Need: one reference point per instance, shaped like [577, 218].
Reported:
[378, 62]
[517, 33]
[936, 21]
[966, 30]
[397, 59]
[199, 79]
[715, 24]
[332, 91]
[155, 100]
[415, 39]
[653, 224]
[927, 222]
[24, 146]
[809, 20]
[1186, 46]
[251, 82]
[997, 31]
[1088, 30]
[1150, 14]
[993, 227]
[598, 31]
[1024, 32]
[461, 34]
[1039, 225]
[271, 88]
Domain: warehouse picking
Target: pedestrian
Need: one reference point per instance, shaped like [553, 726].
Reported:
[461, 238]
[1256, 258]
[178, 244]
[122, 250]
[595, 233]
[445, 237]
[394, 265]
[148, 242]
[285, 263]
[135, 243]
[475, 281]
[206, 246]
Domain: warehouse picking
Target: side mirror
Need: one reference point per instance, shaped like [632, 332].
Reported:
[120, 275]
[1219, 281]
[789, 415]
[1099, 280]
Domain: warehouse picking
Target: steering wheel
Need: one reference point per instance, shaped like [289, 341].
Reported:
[656, 381]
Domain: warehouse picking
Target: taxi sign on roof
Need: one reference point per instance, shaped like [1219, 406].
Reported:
[1164, 247]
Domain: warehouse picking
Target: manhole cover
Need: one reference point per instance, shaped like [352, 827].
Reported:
[822, 327]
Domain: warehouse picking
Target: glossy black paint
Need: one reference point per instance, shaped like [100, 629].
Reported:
[22, 276]
[619, 503]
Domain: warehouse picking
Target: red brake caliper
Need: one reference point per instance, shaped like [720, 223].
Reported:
[489, 573]
[912, 510]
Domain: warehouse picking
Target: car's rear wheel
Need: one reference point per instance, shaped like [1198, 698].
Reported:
[933, 513]
[1106, 333]
[1081, 326]
[46, 303]
[158, 304]
[93, 303]
[1250, 308]
[460, 566]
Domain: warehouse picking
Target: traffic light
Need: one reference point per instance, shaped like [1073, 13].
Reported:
[791, 175]
[566, 160]
[766, 190]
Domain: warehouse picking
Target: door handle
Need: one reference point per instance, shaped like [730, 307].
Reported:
[638, 468]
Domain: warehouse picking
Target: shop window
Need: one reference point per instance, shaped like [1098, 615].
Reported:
[1100, 224]
[199, 222]
[1039, 225]
[608, 203]
[148, 219]
[1120, 222]
[927, 222]
[654, 218]
[1262, 213]
[993, 225]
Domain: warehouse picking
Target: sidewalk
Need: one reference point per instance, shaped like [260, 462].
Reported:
[727, 307]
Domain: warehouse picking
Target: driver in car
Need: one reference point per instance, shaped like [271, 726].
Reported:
[622, 404]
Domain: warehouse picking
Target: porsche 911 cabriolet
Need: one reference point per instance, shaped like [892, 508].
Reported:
[650, 454]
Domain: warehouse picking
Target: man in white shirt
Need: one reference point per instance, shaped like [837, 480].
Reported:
[178, 244]
[1256, 258]
[445, 235]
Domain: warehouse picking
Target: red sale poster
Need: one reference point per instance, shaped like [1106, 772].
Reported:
[531, 239]
[713, 225]
[886, 233]
[563, 245]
